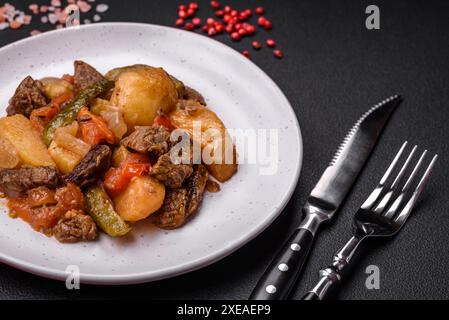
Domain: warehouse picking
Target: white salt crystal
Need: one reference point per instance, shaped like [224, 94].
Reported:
[102, 7]
[44, 19]
[86, 21]
[4, 25]
[53, 18]
[97, 17]
[19, 18]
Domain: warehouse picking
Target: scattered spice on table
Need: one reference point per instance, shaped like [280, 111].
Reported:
[278, 53]
[227, 20]
[246, 53]
[256, 45]
[54, 12]
[271, 43]
[12, 18]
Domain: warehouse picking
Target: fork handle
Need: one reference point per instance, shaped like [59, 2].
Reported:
[330, 278]
[280, 277]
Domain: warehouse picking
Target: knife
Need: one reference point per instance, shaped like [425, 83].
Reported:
[324, 200]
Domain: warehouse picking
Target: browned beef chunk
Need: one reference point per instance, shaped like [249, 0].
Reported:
[14, 182]
[212, 186]
[173, 212]
[181, 203]
[96, 162]
[85, 75]
[171, 175]
[26, 98]
[75, 226]
[196, 186]
[154, 140]
[192, 94]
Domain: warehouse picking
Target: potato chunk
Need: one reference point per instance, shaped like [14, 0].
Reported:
[55, 87]
[143, 196]
[215, 140]
[8, 155]
[66, 149]
[141, 92]
[27, 141]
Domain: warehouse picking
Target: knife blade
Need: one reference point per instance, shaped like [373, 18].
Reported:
[323, 202]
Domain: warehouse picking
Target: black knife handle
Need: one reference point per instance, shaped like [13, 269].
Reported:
[280, 277]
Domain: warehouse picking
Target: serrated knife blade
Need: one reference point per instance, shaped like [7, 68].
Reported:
[324, 200]
[350, 157]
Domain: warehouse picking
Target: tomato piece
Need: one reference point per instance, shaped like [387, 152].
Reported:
[40, 218]
[69, 78]
[41, 116]
[58, 101]
[44, 113]
[41, 196]
[117, 179]
[137, 158]
[94, 129]
[114, 181]
[163, 121]
[135, 165]
[135, 169]
[43, 207]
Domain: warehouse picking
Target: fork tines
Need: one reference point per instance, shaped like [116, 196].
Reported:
[388, 198]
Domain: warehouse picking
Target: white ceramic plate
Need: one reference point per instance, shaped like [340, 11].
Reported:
[235, 88]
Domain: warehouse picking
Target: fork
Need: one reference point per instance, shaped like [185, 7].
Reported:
[383, 214]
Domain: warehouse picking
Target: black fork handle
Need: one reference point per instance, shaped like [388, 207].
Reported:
[280, 277]
[310, 296]
[331, 277]
[329, 282]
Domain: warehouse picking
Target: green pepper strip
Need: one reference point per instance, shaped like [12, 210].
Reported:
[69, 114]
[100, 208]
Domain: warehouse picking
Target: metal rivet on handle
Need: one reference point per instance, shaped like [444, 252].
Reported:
[283, 267]
[270, 289]
[295, 247]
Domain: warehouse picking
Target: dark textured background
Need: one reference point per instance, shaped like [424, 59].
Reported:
[333, 70]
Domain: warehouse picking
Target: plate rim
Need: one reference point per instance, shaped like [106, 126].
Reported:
[178, 269]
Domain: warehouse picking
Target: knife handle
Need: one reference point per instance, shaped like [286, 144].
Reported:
[280, 277]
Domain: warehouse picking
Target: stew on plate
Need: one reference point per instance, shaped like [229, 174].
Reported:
[88, 152]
